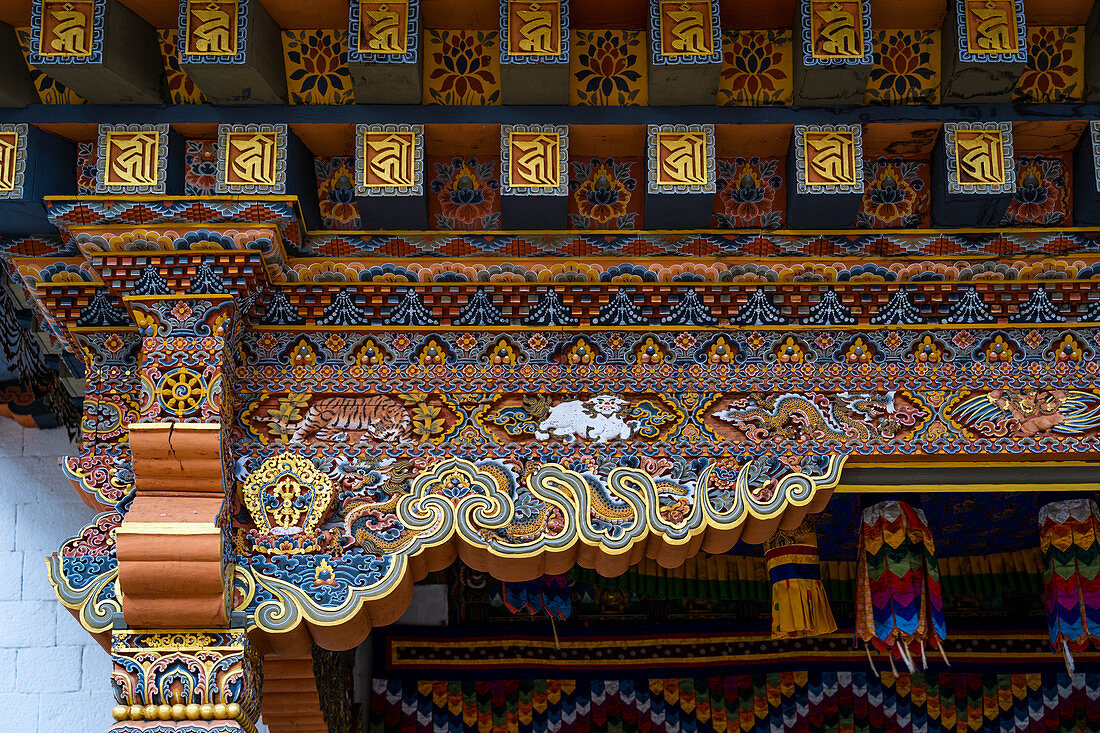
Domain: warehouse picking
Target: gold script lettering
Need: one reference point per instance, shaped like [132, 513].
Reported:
[685, 161]
[390, 159]
[254, 159]
[135, 160]
[213, 35]
[70, 32]
[385, 34]
[538, 160]
[536, 30]
[981, 159]
[689, 31]
[838, 32]
[832, 160]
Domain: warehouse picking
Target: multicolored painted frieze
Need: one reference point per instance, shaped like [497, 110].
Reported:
[200, 675]
[213, 32]
[828, 159]
[979, 157]
[384, 32]
[680, 159]
[132, 159]
[389, 160]
[251, 159]
[836, 32]
[534, 31]
[67, 31]
[685, 32]
[534, 159]
[991, 30]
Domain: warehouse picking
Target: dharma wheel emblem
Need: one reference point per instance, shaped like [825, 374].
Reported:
[288, 498]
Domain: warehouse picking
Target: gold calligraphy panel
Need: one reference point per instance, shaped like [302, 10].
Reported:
[131, 159]
[533, 28]
[991, 27]
[686, 28]
[67, 29]
[682, 159]
[251, 158]
[389, 159]
[533, 159]
[979, 157]
[383, 27]
[210, 28]
[9, 161]
[836, 29]
[830, 158]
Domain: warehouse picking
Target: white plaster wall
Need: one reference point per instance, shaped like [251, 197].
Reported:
[54, 678]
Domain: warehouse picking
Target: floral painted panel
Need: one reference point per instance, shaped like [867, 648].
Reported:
[757, 68]
[895, 194]
[906, 68]
[608, 67]
[1055, 65]
[200, 168]
[1043, 194]
[317, 67]
[50, 91]
[461, 67]
[750, 194]
[604, 194]
[181, 87]
[465, 194]
[87, 165]
[336, 192]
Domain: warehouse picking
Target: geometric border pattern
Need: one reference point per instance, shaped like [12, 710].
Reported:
[653, 159]
[224, 187]
[242, 38]
[808, 57]
[417, 187]
[658, 59]
[800, 158]
[562, 189]
[1020, 57]
[412, 43]
[953, 185]
[560, 58]
[101, 186]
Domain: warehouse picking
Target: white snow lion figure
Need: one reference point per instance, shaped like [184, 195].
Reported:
[599, 419]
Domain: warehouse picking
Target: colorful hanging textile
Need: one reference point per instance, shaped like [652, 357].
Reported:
[899, 607]
[1069, 536]
[799, 604]
[548, 594]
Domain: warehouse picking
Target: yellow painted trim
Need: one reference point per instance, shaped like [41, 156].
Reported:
[174, 426]
[168, 528]
[999, 488]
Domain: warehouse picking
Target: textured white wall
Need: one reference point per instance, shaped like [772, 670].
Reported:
[54, 677]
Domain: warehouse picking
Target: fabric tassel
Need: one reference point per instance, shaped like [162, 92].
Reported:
[899, 607]
[1069, 538]
[799, 604]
